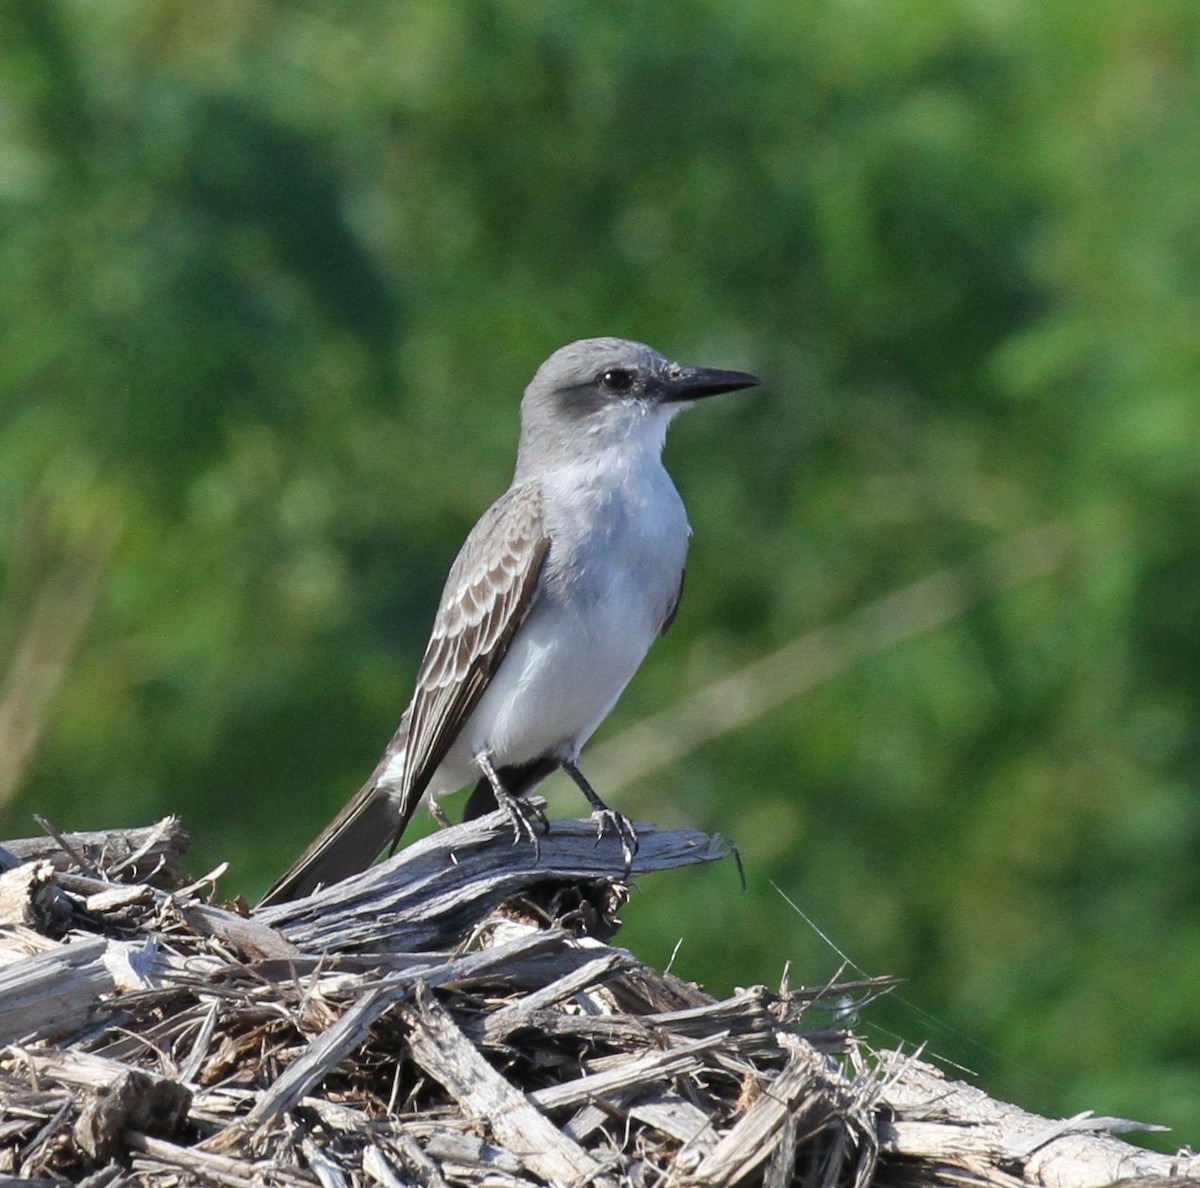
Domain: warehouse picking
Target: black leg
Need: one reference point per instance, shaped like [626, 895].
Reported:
[606, 818]
[518, 779]
[527, 820]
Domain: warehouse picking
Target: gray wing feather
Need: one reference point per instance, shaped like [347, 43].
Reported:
[489, 592]
[491, 587]
[670, 618]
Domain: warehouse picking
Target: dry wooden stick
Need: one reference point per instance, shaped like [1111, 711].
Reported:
[942, 1121]
[791, 1096]
[50, 994]
[433, 891]
[444, 1053]
[333, 1045]
[150, 854]
[631, 1074]
[209, 1167]
[503, 1022]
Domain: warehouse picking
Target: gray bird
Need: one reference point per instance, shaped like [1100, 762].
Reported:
[549, 609]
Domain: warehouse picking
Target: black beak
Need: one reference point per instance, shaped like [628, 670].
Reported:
[694, 383]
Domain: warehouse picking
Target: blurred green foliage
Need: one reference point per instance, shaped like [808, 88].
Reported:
[275, 273]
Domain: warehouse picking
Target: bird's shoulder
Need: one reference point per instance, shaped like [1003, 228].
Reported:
[495, 569]
[506, 534]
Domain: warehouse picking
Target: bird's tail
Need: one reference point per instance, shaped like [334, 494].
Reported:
[368, 823]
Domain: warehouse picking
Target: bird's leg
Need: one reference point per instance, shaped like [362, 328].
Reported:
[527, 819]
[605, 817]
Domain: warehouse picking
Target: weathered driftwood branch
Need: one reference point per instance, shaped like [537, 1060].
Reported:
[158, 1039]
[433, 891]
[932, 1114]
[150, 855]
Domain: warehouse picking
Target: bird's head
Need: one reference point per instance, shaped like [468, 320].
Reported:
[599, 392]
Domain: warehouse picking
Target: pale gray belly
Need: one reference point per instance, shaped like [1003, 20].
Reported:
[568, 664]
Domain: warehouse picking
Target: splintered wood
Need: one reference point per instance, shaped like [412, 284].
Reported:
[452, 1017]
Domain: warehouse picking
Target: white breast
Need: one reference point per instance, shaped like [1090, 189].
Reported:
[618, 544]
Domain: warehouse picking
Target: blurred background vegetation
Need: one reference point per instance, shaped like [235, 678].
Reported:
[275, 273]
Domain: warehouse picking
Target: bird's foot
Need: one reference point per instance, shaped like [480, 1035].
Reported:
[527, 820]
[622, 828]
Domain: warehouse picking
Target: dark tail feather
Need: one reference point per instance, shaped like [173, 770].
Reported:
[349, 844]
[372, 820]
[368, 823]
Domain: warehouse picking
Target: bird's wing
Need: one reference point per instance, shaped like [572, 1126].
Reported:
[490, 590]
[491, 587]
[670, 617]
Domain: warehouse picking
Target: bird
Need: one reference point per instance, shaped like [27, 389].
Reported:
[548, 611]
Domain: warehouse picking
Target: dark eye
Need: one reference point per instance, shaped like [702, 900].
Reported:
[616, 379]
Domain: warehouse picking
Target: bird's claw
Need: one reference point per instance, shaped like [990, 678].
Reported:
[622, 828]
[527, 820]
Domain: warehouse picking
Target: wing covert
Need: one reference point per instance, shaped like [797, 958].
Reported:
[487, 596]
